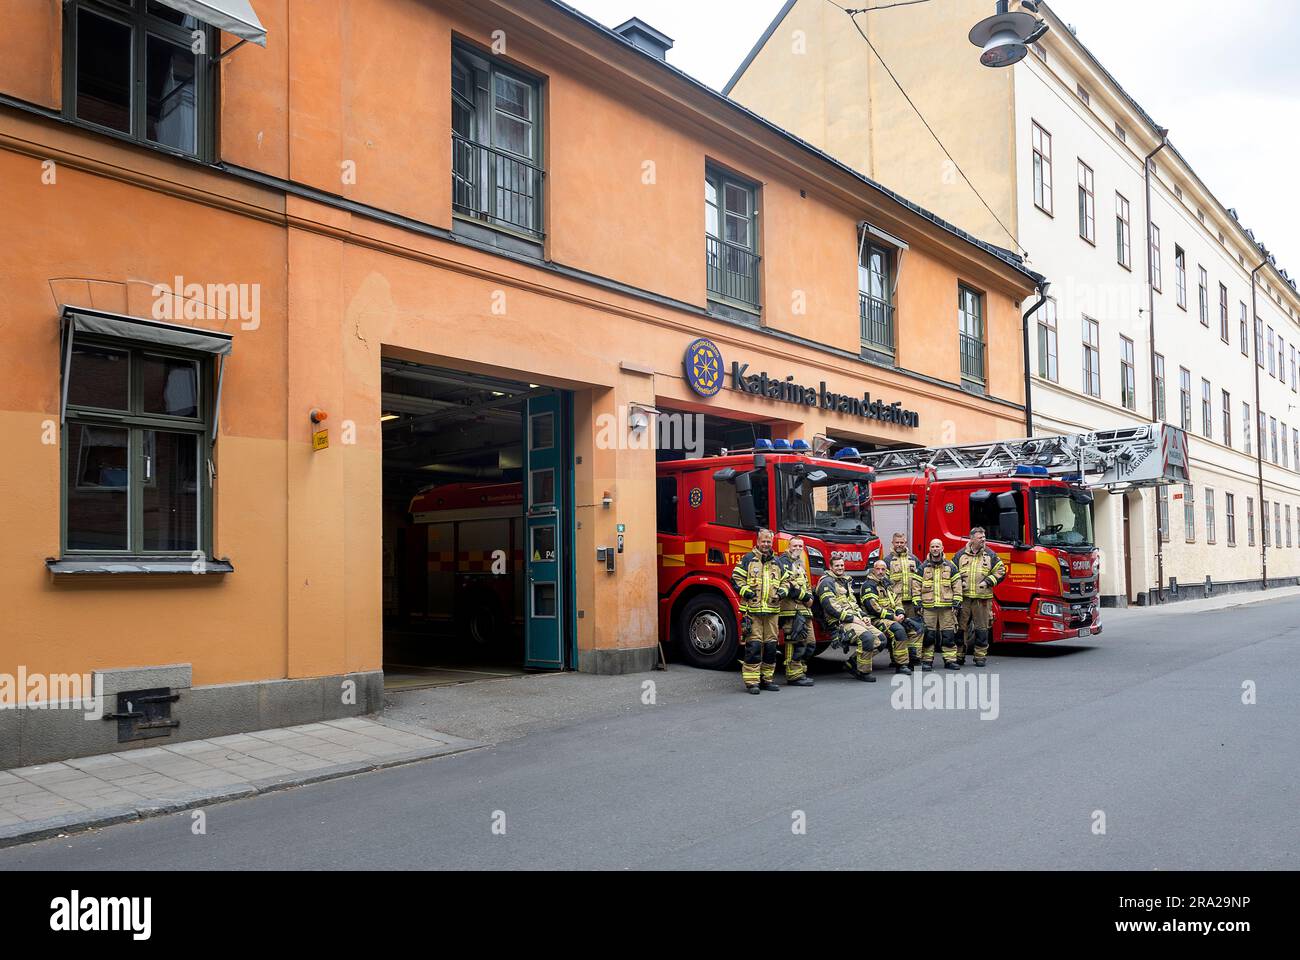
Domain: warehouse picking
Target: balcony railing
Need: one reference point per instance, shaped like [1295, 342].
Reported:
[731, 271]
[972, 357]
[488, 184]
[877, 323]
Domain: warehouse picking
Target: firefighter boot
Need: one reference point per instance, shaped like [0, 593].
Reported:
[982, 646]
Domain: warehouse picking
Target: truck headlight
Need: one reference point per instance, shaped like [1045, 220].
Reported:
[816, 559]
[1049, 608]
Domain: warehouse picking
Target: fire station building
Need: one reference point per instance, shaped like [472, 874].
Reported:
[340, 340]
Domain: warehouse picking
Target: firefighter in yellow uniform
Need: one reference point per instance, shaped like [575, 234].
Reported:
[905, 579]
[759, 579]
[886, 611]
[980, 570]
[796, 617]
[842, 614]
[940, 596]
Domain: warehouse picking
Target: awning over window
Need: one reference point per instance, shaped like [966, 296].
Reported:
[233, 16]
[82, 321]
[148, 331]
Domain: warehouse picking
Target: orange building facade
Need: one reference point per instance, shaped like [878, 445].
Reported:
[450, 228]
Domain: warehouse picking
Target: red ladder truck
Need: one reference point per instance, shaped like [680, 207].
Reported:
[709, 511]
[1034, 499]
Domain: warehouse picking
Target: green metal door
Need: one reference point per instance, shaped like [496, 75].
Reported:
[545, 490]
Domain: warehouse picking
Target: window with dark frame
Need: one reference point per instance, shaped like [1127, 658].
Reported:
[136, 448]
[1162, 512]
[131, 67]
[1204, 298]
[1272, 363]
[496, 139]
[1230, 512]
[731, 238]
[876, 296]
[1207, 410]
[1250, 521]
[970, 333]
[1211, 535]
[1189, 512]
[1245, 331]
[1227, 418]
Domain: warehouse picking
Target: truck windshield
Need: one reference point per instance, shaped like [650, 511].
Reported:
[1064, 519]
[837, 504]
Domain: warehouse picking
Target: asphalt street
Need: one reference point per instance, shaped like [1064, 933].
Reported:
[1133, 750]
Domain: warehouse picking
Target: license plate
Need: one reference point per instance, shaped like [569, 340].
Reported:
[1086, 632]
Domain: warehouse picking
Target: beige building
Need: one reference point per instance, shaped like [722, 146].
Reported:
[1059, 152]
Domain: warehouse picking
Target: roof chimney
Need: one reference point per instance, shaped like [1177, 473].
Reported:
[645, 37]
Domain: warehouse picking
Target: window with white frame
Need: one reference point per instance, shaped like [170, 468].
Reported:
[1223, 314]
[1047, 333]
[1042, 147]
[1091, 357]
[1230, 513]
[1160, 386]
[1154, 253]
[1123, 233]
[1087, 204]
[1180, 276]
[1189, 512]
[1205, 298]
[1127, 374]
[1185, 397]
[1211, 535]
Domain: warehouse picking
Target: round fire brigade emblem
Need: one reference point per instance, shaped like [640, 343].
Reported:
[703, 365]
[697, 497]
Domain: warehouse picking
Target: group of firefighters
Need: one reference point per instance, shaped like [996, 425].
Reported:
[909, 605]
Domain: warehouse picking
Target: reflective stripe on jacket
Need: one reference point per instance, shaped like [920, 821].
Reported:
[799, 590]
[835, 597]
[880, 601]
[940, 584]
[756, 580]
[904, 575]
[975, 567]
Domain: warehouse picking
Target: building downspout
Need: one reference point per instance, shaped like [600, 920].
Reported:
[1259, 421]
[1043, 284]
[1151, 360]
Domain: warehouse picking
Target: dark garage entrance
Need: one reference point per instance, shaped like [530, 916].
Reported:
[476, 525]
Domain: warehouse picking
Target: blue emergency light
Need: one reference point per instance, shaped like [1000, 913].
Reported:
[763, 444]
[781, 445]
[1028, 471]
[801, 445]
[848, 453]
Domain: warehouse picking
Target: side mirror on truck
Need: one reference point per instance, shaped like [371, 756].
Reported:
[1010, 524]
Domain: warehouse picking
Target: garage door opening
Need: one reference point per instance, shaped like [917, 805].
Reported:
[477, 574]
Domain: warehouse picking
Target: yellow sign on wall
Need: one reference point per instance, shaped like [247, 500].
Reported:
[320, 439]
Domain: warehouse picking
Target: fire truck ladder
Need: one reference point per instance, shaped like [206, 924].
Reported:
[1085, 455]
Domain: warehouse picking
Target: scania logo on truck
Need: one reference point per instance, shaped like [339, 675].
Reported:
[849, 556]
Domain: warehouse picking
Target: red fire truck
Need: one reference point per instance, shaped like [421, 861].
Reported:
[1034, 499]
[709, 511]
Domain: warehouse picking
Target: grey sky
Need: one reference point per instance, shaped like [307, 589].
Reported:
[1223, 77]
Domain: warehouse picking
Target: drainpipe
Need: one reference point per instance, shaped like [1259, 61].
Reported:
[1043, 284]
[1259, 445]
[1151, 319]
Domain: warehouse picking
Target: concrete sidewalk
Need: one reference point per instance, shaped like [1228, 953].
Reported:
[56, 798]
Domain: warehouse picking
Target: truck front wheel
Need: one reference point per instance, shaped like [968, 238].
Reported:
[707, 632]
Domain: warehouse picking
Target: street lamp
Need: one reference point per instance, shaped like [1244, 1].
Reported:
[1004, 38]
